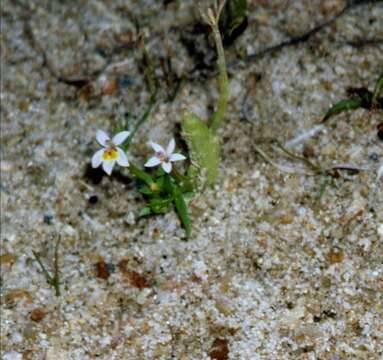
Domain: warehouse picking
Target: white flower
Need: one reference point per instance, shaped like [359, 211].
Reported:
[164, 157]
[110, 153]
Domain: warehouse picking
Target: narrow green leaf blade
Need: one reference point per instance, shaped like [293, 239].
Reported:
[364, 94]
[140, 174]
[343, 105]
[168, 185]
[378, 88]
[145, 190]
[183, 212]
[160, 205]
[233, 20]
[48, 276]
[145, 211]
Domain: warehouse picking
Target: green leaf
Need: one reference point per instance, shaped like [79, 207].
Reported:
[204, 150]
[182, 211]
[146, 190]
[145, 211]
[366, 97]
[168, 185]
[188, 196]
[160, 205]
[343, 105]
[378, 88]
[233, 20]
[364, 94]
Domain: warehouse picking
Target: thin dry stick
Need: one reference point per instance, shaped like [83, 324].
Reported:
[281, 168]
[53, 281]
[316, 169]
[290, 154]
[56, 278]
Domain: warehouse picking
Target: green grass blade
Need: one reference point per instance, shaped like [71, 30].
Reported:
[48, 277]
[233, 20]
[378, 88]
[343, 105]
[182, 212]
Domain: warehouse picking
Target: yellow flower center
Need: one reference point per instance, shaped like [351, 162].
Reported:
[154, 186]
[109, 154]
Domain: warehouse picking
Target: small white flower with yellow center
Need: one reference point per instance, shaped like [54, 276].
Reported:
[110, 154]
[164, 157]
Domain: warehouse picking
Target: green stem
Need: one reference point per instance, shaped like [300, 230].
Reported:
[323, 187]
[142, 120]
[53, 281]
[44, 270]
[183, 180]
[140, 174]
[217, 117]
[378, 89]
[182, 210]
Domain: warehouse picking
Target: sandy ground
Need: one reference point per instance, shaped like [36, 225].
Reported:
[271, 271]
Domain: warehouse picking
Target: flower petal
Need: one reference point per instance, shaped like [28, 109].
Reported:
[102, 137]
[176, 157]
[157, 147]
[122, 158]
[97, 158]
[153, 161]
[108, 165]
[167, 166]
[119, 138]
[171, 147]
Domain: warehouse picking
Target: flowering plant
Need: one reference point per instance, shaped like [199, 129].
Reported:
[161, 191]
[166, 187]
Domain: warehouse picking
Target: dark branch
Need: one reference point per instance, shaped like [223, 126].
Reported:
[295, 40]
